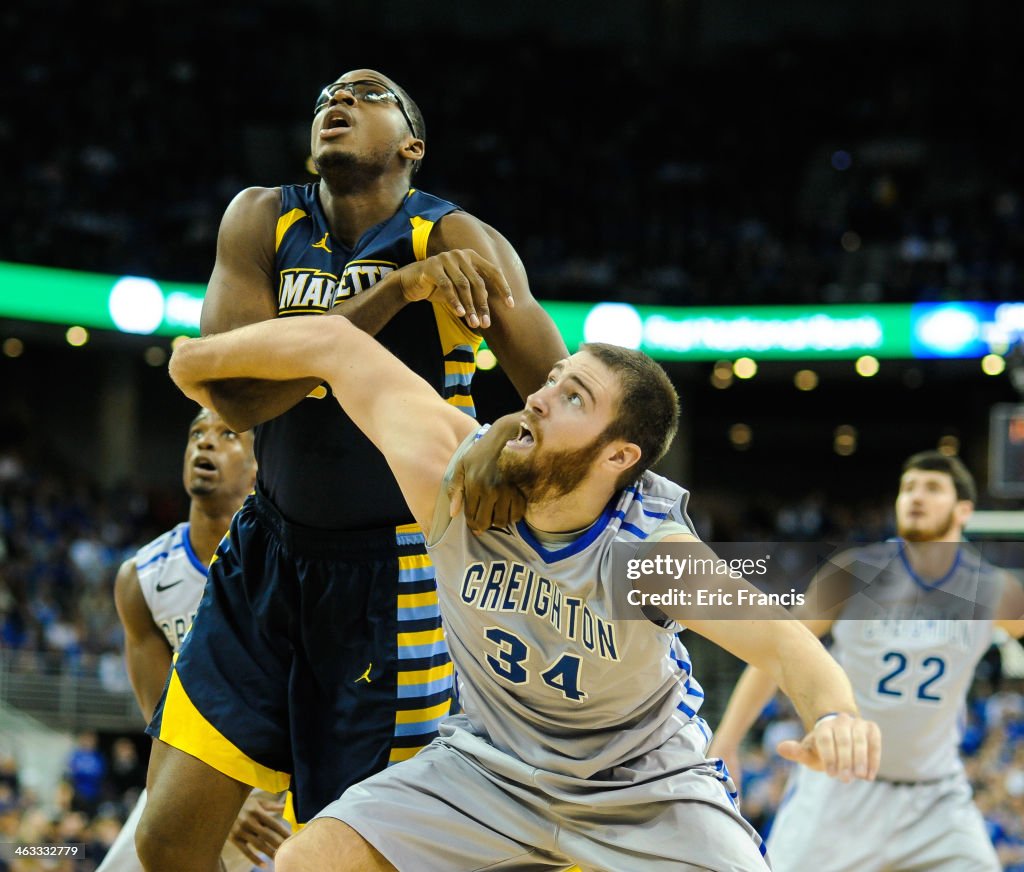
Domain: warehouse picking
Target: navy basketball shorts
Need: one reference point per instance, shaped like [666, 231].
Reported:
[316, 658]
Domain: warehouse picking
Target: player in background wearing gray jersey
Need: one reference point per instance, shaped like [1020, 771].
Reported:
[570, 748]
[911, 676]
[157, 592]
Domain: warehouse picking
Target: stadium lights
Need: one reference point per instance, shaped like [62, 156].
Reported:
[805, 380]
[145, 306]
[77, 336]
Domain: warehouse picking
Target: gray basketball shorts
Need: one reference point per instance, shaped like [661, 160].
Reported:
[461, 805]
[878, 826]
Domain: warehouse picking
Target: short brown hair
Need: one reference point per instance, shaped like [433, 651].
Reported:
[936, 461]
[647, 413]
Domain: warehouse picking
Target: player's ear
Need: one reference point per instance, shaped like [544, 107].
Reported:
[963, 511]
[413, 149]
[620, 456]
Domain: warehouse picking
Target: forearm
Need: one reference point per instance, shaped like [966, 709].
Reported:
[266, 350]
[528, 344]
[811, 678]
[371, 310]
[783, 654]
[244, 402]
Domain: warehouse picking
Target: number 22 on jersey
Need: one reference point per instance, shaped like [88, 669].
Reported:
[905, 676]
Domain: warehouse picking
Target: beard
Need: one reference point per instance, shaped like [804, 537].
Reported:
[914, 533]
[546, 476]
[346, 172]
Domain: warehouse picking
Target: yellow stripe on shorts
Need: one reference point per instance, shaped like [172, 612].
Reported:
[421, 637]
[417, 600]
[398, 755]
[417, 716]
[413, 561]
[182, 726]
[425, 676]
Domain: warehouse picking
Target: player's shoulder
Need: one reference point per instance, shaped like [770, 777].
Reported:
[256, 200]
[127, 574]
[972, 556]
[461, 229]
[876, 554]
[160, 547]
[418, 201]
[653, 506]
[257, 194]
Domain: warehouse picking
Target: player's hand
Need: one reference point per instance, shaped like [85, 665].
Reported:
[258, 828]
[460, 279]
[844, 747]
[477, 487]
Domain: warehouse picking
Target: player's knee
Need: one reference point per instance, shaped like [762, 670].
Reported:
[162, 846]
[288, 855]
[306, 849]
[328, 845]
[295, 854]
[155, 845]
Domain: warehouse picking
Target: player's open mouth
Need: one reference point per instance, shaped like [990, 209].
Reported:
[204, 464]
[524, 438]
[335, 120]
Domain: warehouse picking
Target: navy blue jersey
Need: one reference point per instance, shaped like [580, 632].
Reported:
[315, 465]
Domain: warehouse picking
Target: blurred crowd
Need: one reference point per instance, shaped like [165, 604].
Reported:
[787, 172]
[98, 790]
[62, 539]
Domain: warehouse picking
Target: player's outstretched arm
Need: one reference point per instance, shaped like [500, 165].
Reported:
[785, 653]
[754, 689]
[415, 430]
[147, 653]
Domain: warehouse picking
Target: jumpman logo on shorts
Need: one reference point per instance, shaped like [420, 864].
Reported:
[366, 675]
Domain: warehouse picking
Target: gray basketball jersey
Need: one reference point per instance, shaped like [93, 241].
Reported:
[172, 579]
[553, 666]
[911, 657]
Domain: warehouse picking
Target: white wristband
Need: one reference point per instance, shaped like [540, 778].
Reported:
[830, 715]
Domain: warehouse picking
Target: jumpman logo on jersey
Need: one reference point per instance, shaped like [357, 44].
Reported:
[322, 244]
[366, 675]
